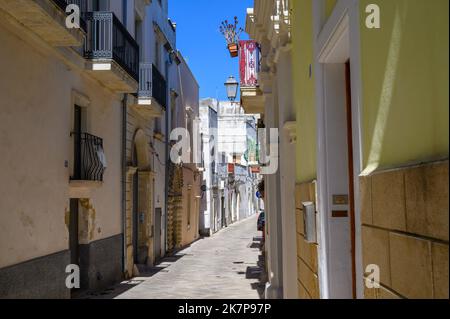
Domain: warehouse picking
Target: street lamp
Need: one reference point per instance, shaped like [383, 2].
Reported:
[232, 86]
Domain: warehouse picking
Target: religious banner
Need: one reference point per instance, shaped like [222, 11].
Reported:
[249, 63]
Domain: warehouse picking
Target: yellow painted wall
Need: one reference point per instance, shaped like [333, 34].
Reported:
[304, 90]
[405, 83]
[329, 6]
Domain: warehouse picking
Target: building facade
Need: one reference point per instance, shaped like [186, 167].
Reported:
[371, 146]
[96, 115]
[210, 204]
[146, 138]
[185, 175]
[69, 119]
[236, 140]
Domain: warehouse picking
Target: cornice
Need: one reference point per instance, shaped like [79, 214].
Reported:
[270, 20]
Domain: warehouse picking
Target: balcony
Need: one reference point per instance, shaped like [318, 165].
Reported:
[251, 95]
[112, 53]
[89, 158]
[152, 95]
[46, 19]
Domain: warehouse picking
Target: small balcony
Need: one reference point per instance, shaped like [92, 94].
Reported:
[89, 158]
[152, 95]
[251, 95]
[112, 53]
[47, 19]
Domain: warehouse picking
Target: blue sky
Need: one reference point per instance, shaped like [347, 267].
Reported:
[202, 44]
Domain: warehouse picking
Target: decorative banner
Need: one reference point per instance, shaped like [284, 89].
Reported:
[231, 168]
[249, 63]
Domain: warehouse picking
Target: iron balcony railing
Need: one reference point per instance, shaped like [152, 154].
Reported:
[152, 84]
[89, 161]
[159, 87]
[82, 4]
[107, 38]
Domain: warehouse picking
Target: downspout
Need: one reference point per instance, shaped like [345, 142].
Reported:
[167, 155]
[124, 179]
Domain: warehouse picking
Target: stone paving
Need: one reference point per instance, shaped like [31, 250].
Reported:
[227, 265]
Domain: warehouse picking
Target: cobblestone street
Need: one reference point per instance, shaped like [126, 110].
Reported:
[224, 266]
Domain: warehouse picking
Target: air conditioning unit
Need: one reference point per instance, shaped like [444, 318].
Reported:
[309, 222]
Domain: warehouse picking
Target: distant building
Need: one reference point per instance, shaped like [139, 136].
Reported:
[210, 201]
[237, 140]
[184, 184]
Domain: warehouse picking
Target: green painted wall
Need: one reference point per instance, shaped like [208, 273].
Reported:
[405, 104]
[304, 87]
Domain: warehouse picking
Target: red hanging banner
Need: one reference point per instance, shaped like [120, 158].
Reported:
[249, 63]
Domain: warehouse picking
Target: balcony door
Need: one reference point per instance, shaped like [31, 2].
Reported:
[77, 130]
[100, 5]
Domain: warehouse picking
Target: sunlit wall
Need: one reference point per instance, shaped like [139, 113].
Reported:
[405, 106]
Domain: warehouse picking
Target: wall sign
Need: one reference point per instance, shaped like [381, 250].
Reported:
[340, 200]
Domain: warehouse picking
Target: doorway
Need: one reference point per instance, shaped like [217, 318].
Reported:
[222, 208]
[140, 244]
[339, 184]
[135, 218]
[339, 157]
[158, 233]
[238, 207]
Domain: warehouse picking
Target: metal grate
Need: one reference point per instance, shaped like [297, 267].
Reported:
[90, 161]
[159, 89]
[152, 84]
[107, 38]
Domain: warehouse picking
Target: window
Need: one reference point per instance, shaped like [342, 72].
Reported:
[157, 55]
[173, 105]
[100, 5]
[138, 34]
[79, 127]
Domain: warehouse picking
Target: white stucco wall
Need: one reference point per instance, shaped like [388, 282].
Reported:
[35, 127]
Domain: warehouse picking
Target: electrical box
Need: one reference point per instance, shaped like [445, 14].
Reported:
[309, 222]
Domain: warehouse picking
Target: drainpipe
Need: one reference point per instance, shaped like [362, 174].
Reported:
[124, 179]
[167, 150]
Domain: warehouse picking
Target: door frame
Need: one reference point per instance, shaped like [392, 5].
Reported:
[158, 251]
[337, 40]
[135, 217]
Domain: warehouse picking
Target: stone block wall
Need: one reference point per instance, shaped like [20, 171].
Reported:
[404, 215]
[307, 254]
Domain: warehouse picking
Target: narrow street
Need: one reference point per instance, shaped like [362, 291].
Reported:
[242, 149]
[224, 266]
